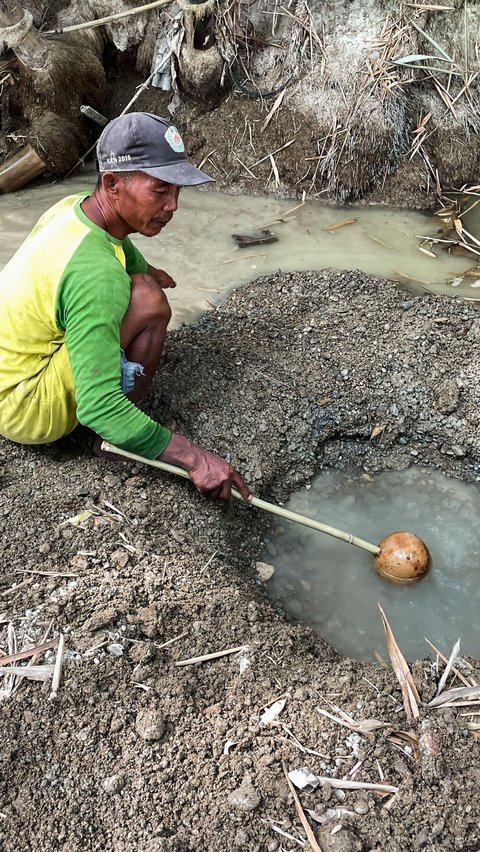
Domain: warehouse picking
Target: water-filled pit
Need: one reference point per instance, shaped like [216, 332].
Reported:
[333, 587]
[323, 582]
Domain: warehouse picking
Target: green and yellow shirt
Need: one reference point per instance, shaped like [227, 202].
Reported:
[63, 296]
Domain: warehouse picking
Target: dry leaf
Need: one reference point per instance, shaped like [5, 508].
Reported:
[76, 520]
[340, 225]
[455, 695]
[278, 101]
[450, 664]
[377, 430]
[410, 695]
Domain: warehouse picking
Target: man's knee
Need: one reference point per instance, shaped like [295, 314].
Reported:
[148, 300]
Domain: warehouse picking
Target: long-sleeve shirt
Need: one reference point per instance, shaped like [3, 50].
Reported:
[63, 296]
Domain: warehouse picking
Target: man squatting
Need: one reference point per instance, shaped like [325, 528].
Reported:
[84, 315]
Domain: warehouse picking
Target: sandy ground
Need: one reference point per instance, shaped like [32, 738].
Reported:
[290, 375]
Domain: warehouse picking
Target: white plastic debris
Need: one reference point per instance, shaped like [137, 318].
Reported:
[303, 779]
[273, 711]
[116, 649]
[330, 815]
[353, 742]
[244, 662]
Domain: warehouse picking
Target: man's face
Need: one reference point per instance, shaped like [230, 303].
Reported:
[145, 204]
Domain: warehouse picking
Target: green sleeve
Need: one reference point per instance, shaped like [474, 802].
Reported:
[92, 298]
[134, 260]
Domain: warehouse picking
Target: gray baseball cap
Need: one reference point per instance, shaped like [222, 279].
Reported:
[142, 141]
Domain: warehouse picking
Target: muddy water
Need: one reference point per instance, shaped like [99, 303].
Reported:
[333, 587]
[198, 250]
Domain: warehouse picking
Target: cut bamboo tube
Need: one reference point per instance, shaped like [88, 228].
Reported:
[254, 501]
[20, 169]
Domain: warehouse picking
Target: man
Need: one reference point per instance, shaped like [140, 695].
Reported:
[84, 315]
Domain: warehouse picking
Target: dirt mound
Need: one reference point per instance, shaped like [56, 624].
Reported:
[139, 753]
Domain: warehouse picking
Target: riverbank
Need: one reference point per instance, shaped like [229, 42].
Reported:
[293, 373]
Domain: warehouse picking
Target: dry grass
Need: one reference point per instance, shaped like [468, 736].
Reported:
[408, 68]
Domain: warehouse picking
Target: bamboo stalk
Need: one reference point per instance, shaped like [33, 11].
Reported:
[20, 169]
[57, 669]
[303, 819]
[254, 501]
[213, 656]
[99, 22]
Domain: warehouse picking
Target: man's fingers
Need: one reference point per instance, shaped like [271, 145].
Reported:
[241, 485]
[215, 492]
[225, 490]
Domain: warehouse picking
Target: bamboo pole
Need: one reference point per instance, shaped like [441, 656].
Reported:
[99, 22]
[20, 169]
[254, 501]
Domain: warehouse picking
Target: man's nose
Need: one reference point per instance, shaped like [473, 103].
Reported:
[171, 201]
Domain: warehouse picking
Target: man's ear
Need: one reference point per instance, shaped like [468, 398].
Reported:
[110, 183]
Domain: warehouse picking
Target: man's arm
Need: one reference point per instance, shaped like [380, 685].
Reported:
[211, 474]
[135, 262]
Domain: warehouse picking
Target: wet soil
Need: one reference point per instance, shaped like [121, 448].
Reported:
[292, 374]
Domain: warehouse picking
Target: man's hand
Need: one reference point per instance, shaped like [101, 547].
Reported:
[163, 279]
[210, 473]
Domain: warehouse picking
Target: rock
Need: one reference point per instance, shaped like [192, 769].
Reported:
[115, 649]
[344, 840]
[361, 806]
[150, 724]
[101, 619]
[448, 396]
[474, 331]
[113, 784]
[264, 570]
[119, 558]
[116, 725]
[422, 838]
[244, 798]
[112, 479]
[241, 839]
[147, 618]
[79, 561]
[140, 652]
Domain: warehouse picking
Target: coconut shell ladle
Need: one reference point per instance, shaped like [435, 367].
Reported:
[401, 557]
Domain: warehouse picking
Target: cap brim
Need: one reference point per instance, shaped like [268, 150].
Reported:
[180, 174]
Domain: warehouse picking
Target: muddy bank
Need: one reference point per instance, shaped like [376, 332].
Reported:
[292, 373]
[371, 102]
